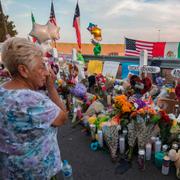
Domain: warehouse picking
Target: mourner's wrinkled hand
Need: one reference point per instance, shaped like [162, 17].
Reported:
[50, 78]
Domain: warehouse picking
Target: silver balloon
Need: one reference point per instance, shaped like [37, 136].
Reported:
[40, 32]
[53, 31]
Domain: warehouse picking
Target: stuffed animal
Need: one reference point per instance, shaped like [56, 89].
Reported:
[175, 156]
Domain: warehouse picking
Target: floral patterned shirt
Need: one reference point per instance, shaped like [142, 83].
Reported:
[28, 143]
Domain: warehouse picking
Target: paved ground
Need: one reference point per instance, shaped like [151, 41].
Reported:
[89, 165]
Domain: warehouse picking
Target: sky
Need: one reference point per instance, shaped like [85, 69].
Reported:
[149, 20]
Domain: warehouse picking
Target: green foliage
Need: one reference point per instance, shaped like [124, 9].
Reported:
[10, 27]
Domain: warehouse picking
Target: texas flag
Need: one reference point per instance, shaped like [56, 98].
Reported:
[76, 25]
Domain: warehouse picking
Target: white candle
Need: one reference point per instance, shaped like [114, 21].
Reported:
[100, 138]
[122, 144]
[148, 151]
[157, 146]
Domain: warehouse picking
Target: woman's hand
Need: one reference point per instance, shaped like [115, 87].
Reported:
[50, 78]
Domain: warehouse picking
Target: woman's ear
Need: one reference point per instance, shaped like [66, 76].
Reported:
[23, 71]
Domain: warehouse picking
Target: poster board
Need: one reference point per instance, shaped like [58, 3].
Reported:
[110, 68]
[95, 66]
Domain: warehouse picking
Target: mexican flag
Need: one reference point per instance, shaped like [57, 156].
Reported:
[166, 49]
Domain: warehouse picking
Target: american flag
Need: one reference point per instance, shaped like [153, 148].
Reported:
[52, 17]
[134, 47]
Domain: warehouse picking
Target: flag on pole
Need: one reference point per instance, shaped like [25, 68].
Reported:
[52, 17]
[155, 49]
[33, 21]
[134, 47]
[76, 25]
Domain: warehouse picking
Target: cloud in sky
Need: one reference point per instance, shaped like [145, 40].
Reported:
[139, 19]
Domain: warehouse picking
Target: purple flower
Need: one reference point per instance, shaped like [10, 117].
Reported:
[140, 103]
[79, 90]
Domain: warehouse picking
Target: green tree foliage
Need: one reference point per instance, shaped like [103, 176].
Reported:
[9, 25]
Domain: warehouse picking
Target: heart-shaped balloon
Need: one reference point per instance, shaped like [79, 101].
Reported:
[53, 31]
[40, 32]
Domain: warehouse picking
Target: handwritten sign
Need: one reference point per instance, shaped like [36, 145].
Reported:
[147, 69]
[110, 68]
[175, 73]
[133, 68]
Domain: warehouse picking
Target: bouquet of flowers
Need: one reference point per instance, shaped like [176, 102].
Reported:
[146, 114]
[122, 105]
[165, 126]
[100, 84]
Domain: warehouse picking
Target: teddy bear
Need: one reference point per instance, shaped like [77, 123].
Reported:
[175, 156]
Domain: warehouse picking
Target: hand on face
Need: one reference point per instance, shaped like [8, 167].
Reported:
[50, 80]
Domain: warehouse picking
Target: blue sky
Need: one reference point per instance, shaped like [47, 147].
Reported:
[139, 19]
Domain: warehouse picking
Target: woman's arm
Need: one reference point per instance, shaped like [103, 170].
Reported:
[53, 95]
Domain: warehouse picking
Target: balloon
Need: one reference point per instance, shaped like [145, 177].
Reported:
[40, 32]
[53, 31]
[91, 25]
[46, 47]
[97, 49]
[95, 31]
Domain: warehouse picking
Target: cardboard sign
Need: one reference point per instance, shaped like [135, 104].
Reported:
[110, 68]
[175, 73]
[95, 66]
[147, 69]
[133, 68]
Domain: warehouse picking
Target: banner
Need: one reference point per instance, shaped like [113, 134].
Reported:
[125, 70]
[110, 68]
[147, 69]
[95, 66]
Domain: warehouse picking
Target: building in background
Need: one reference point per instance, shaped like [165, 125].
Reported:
[107, 49]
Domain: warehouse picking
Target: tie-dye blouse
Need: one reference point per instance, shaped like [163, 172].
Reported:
[28, 142]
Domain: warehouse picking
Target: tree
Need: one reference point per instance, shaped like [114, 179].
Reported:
[7, 27]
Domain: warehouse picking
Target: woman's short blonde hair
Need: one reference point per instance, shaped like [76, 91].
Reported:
[16, 51]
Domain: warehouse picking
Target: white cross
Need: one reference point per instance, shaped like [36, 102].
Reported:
[143, 65]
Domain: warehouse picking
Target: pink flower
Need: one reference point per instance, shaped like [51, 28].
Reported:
[103, 88]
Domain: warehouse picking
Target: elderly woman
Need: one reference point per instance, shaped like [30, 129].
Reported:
[28, 118]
